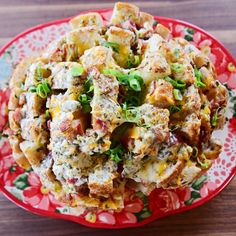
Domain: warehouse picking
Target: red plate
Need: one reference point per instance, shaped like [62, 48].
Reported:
[24, 188]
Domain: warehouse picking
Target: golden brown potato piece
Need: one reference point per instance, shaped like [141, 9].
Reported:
[160, 94]
[123, 12]
[124, 39]
[163, 31]
[145, 18]
[88, 19]
[20, 72]
[17, 154]
[33, 152]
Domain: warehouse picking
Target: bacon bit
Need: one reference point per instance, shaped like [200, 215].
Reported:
[48, 124]
[65, 125]
[17, 115]
[154, 86]
[72, 181]
[102, 124]
[22, 99]
[77, 127]
[173, 139]
[94, 73]
[82, 190]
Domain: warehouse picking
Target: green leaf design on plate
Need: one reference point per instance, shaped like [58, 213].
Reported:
[15, 192]
[195, 195]
[13, 168]
[189, 202]
[197, 184]
[145, 212]
[21, 182]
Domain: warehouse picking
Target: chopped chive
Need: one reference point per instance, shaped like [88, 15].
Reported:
[76, 70]
[177, 95]
[113, 45]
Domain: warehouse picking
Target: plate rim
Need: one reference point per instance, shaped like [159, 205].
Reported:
[46, 213]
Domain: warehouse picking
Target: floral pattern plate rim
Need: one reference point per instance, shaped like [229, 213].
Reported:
[24, 187]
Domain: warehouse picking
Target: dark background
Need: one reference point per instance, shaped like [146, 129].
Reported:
[217, 217]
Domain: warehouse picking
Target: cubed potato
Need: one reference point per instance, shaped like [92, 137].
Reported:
[17, 154]
[160, 94]
[33, 152]
[88, 19]
[124, 12]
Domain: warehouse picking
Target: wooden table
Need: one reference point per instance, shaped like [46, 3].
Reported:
[217, 217]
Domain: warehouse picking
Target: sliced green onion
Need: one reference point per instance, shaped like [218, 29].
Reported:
[179, 84]
[83, 98]
[22, 85]
[112, 72]
[136, 59]
[42, 72]
[123, 79]
[32, 89]
[176, 67]
[214, 117]
[172, 81]
[205, 163]
[85, 102]
[198, 76]
[88, 85]
[132, 115]
[40, 91]
[47, 114]
[76, 70]
[113, 45]
[116, 153]
[133, 100]
[86, 108]
[177, 95]
[134, 81]
[134, 84]
[174, 109]
[46, 87]
[195, 151]
[133, 60]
